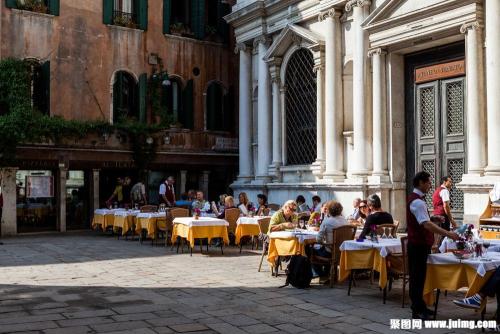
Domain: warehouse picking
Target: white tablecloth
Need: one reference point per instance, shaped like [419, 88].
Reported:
[480, 266]
[202, 221]
[103, 212]
[250, 220]
[151, 215]
[301, 235]
[386, 246]
[449, 244]
[127, 213]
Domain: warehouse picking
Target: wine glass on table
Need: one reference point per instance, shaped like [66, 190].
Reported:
[486, 245]
[384, 234]
[301, 224]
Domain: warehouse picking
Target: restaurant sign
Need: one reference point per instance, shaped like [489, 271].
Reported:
[440, 71]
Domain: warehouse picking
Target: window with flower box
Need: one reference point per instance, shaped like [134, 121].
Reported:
[126, 13]
[39, 6]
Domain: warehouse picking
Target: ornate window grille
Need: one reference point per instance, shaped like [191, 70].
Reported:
[300, 108]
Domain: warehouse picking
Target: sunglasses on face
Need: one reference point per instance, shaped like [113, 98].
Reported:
[362, 206]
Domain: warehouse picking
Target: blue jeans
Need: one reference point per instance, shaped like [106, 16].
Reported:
[320, 270]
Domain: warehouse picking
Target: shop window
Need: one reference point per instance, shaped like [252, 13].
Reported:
[39, 85]
[40, 6]
[126, 13]
[125, 97]
[218, 109]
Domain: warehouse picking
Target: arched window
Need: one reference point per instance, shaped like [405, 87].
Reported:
[216, 113]
[40, 85]
[125, 97]
[171, 101]
[300, 107]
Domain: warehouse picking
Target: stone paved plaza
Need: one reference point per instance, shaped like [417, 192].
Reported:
[93, 283]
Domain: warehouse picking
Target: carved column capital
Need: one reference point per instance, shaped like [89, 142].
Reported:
[266, 40]
[377, 51]
[332, 12]
[241, 47]
[470, 25]
[319, 67]
[356, 3]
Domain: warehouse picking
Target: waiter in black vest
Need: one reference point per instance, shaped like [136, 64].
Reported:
[420, 240]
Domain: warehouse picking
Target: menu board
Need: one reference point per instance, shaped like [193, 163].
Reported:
[39, 186]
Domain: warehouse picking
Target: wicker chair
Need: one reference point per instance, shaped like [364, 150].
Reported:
[175, 213]
[149, 208]
[168, 225]
[231, 216]
[274, 207]
[264, 228]
[395, 231]
[397, 266]
[340, 235]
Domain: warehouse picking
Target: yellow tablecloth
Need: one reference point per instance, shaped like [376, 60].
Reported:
[283, 247]
[363, 259]
[243, 230]
[125, 223]
[150, 224]
[103, 220]
[199, 232]
[452, 277]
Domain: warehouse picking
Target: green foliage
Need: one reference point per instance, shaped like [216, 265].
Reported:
[20, 124]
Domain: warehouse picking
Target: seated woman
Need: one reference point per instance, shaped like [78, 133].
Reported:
[333, 220]
[228, 204]
[301, 204]
[364, 211]
[377, 216]
[262, 202]
[284, 218]
[244, 203]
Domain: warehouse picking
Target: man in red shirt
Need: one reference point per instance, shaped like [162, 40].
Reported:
[441, 203]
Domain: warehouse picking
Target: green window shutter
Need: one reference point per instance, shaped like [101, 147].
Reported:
[11, 3]
[54, 7]
[143, 84]
[107, 11]
[142, 14]
[167, 12]
[117, 96]
[222, 27]
[198, 18]
[186, 117]
[45, 72]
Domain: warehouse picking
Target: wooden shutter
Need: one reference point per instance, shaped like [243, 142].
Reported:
[198, 18]
[45, 80]
[167, 12]
[187, 115]
[222, 27]
[54, 7]
[11, 3]
[142, 14]
[107, 11]
[117, 93]
[143, 84]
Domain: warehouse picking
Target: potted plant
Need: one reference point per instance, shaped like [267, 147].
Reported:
[177, 28]
[32, 5]
[196, 212]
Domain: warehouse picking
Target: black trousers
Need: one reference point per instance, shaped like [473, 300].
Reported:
[417, 267]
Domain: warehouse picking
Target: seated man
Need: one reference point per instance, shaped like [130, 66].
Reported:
[284, 218]
[200, 203]
[301, 204]
[333, 220]
[377, 215]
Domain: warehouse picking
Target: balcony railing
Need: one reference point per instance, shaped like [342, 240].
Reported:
[124, 19]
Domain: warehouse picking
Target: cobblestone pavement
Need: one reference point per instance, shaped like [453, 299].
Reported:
[92, 283]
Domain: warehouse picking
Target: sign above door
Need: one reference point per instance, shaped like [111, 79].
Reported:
[440, 71]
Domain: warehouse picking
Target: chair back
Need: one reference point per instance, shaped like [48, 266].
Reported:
[231, 216]
[179, 212]
[149, 208]
[266, 211]
[341, 234]
[274, 207]
[264, 225]
[381, 229]
[395, 233]
[404, 250]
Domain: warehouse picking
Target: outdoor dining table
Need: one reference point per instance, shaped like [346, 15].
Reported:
[104, 218]
[247, 226]
[149, 221]
[191, 228]
[446, 272]
[287, 243]
[125, 219]
[367, 255]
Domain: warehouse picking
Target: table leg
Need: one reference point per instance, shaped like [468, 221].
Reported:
[350, 283]
[438, 292]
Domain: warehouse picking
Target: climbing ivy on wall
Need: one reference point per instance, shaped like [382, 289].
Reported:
[20, 123]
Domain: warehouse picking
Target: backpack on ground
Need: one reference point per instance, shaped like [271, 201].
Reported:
[298, 272]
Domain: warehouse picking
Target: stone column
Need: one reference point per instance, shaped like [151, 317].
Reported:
[9, 211]
[95, 189]
[274, 169]
[245, 119]
[492, 13]
[63, 171]
[204, 183]
[334, 114]
[319, 69]
[476, 136]
[379, 114]
[264, 113]
[182, 182]
[361, 116]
